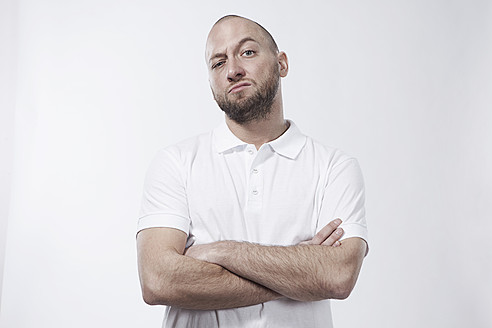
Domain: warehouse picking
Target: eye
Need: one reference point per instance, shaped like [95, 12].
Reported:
[248, 53]
[218, 64]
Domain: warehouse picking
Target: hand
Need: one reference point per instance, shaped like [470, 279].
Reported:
[328, 236]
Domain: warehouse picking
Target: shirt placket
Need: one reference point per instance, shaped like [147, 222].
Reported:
[255, 177]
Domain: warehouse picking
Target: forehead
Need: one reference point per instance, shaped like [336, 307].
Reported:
[228, 33]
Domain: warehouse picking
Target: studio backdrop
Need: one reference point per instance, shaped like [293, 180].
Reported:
[90, 90]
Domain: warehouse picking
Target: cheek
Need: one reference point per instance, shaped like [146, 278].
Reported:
[262, 73]
[215, 82]
[217, 91]
[213, 85]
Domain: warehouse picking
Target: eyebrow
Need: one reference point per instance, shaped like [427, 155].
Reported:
[240, 43]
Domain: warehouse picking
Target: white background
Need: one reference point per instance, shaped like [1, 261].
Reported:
[91, 89]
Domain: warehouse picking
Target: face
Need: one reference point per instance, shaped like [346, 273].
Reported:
[244, 71]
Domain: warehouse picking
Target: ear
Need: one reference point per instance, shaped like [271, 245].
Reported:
[283, 63]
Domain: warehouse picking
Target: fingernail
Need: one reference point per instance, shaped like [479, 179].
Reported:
[338, 232]
[338, 221]
[336, 244]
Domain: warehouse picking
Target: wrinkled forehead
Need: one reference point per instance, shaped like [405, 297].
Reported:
[228, 33]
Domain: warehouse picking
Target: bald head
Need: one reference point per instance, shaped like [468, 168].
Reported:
[244, 69]
[266, 35]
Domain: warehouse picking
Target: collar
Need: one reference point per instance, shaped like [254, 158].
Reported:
[289, 144]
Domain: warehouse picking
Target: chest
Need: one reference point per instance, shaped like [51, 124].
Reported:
[257, 197]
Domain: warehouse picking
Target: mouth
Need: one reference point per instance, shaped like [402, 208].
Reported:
[239, 87]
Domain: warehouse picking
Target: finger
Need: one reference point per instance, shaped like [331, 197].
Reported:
[334, 238]
[326, 232]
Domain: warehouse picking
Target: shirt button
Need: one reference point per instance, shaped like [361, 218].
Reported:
[255, 171]
[255, 192]
[250, 152]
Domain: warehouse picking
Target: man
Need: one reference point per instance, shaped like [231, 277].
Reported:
[242, 227]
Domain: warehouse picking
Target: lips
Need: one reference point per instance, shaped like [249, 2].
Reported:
[239, 86]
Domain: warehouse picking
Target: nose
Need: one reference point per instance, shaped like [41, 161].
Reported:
[235, 71]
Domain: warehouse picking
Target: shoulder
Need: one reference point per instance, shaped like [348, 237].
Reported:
[186, 149]
[174, 160]
[330, 156]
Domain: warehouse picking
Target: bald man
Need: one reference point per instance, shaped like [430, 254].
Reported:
[253, 224]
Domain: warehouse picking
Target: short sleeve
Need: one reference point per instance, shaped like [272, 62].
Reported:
[164, 202]
[344, 198]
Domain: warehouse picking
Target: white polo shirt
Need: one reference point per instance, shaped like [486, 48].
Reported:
[216, 187]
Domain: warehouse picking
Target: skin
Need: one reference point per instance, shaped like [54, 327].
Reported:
[308, 272]
[229, 274]
[226, 45]
[168, 277]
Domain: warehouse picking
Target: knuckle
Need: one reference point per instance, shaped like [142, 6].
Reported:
[335, 223]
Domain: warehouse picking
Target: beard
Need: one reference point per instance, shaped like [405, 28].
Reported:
[256, 107]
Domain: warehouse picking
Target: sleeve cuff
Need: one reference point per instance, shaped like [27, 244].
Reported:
[164, 221]
[355, 230]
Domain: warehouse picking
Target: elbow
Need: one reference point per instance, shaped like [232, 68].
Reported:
[340, 279]
[154, 292]
[326, 288]
[339, 289]
[150, 296]
[149, 299]
[341, 292]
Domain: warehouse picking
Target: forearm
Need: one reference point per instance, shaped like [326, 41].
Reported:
[303, 272]
[192, 284]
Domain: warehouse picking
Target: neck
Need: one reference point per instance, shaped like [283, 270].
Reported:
[262, 131]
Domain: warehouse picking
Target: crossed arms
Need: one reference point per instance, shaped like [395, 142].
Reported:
[231, 274]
